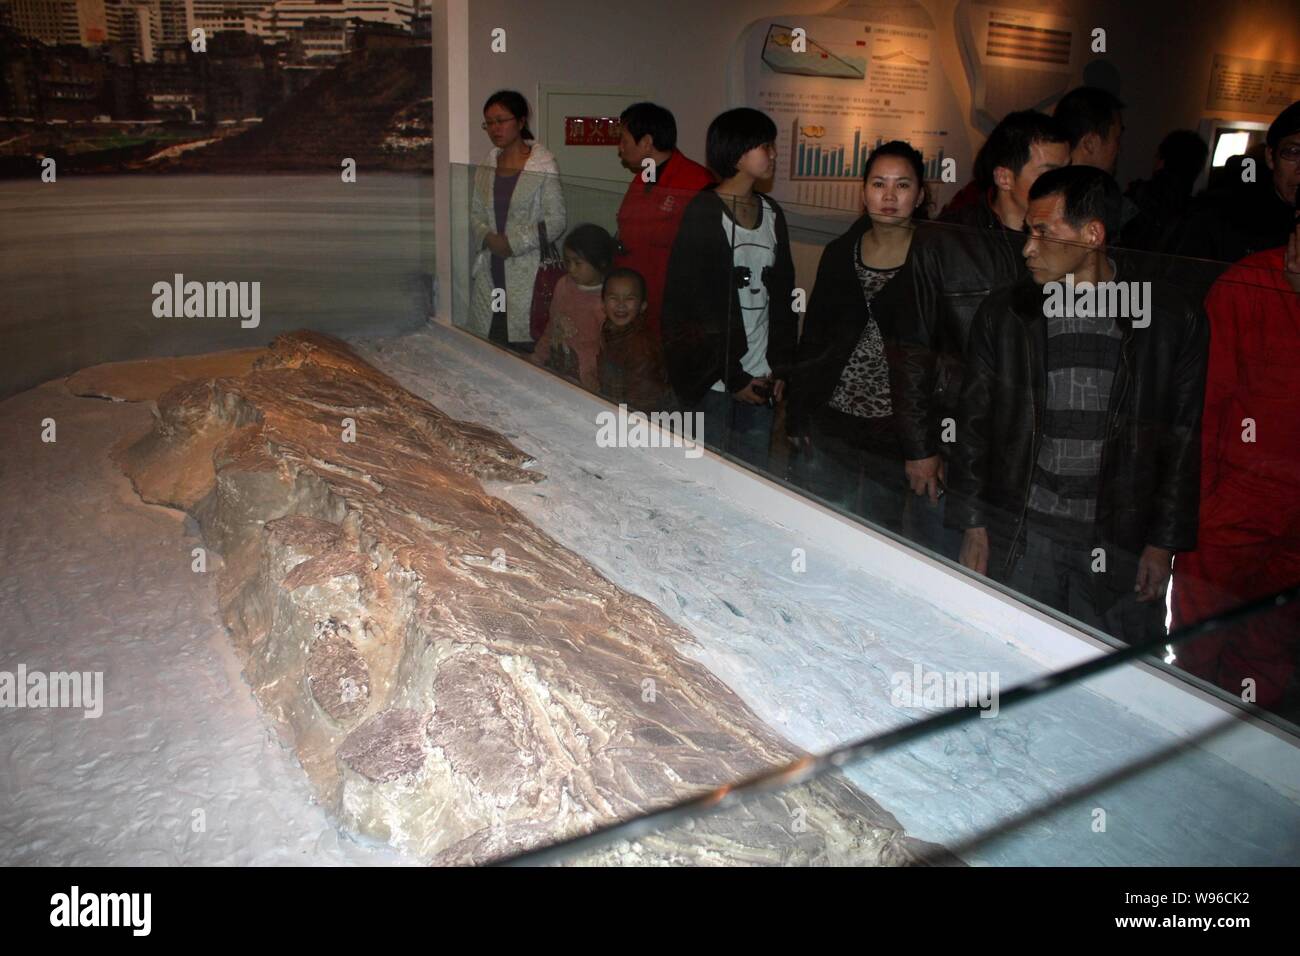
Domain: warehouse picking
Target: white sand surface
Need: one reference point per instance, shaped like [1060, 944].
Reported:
[813, 653]
[94, 580]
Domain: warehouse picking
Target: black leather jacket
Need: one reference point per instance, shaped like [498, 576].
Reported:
[1151, 459]
[952, 266]
[837, 314]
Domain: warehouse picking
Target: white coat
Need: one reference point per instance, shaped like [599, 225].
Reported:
[537, 197]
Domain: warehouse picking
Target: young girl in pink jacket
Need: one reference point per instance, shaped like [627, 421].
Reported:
[570, 345]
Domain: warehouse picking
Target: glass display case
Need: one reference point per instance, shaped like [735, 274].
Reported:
[974, 717]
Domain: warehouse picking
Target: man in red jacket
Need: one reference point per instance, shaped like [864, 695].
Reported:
[652, 209]
[1249, 541]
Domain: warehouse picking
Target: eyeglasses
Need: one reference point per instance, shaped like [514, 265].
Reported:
[1290, 153]
[498, 122]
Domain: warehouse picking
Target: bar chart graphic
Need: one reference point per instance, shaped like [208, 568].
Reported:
[824, 155]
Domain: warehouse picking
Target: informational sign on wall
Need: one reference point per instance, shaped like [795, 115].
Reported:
[1016, 57]
[836, 89]
[580, 125]
[592, 130]
[1239, 84]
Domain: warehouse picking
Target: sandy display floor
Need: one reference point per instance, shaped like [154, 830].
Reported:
[96, 581]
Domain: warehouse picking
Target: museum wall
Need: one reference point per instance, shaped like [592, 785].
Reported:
[1162, 51]
[1159, 60]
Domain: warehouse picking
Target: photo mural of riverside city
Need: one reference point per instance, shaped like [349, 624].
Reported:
[867, 439]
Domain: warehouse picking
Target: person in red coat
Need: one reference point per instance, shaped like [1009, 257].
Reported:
[1249, 541]
[652, 210]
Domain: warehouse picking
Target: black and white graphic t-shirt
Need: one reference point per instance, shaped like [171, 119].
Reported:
[863, 389]
[753, 255]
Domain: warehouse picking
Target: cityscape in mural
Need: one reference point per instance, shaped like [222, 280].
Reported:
[213, 85]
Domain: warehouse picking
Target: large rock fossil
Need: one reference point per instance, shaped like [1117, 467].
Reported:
[455, 682]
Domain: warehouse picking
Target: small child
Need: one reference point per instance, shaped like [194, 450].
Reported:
[631, 358]
[571, 343]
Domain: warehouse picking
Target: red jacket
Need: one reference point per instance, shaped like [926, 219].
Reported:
[648, 221]
[1253, 373]
[1249, 540]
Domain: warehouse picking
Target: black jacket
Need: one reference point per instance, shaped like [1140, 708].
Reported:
[1232, 222]
[1162, 203]
[702, 327]
[951, 267]
[1151, 459]
[1224, 225]
[834, 323]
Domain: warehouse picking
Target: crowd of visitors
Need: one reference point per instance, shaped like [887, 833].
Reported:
[1040, 383]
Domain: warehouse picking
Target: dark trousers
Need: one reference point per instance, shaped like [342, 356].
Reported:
[1061, 575]
[497, 332]
[737, 428]
[923, 525]
[855, 465]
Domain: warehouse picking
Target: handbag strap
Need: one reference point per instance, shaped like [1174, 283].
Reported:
[547, 248]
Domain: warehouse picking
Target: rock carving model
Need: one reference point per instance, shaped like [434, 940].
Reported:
[454, 682]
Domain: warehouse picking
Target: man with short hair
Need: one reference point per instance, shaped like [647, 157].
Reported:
[1093, 118]
[1076, 471]
[950, 270]
[1243, 218]
[652, 208]
[1163, 200]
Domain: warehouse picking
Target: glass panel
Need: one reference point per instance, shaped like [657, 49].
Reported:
[1057, 770]
[1023, 787]
[326, 254]
[827, 439]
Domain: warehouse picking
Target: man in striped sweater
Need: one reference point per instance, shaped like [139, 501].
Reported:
[1076, 470]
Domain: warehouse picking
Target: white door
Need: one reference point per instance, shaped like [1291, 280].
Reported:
[581, 128]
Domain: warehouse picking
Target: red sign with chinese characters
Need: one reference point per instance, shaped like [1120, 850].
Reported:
[592, 130]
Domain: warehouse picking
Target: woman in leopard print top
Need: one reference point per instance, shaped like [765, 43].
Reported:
[841, 421]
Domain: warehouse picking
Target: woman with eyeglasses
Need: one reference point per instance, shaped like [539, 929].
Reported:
[840, 419]
[515, 190]
[728, 325]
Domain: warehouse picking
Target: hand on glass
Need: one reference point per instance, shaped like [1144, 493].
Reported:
[975, 550]
[925, 475]
[1153, 573]
[498, 245]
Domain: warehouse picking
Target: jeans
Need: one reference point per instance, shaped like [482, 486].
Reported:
[855, 465]
[1061, 576]
[737, 428]
[923, 525]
